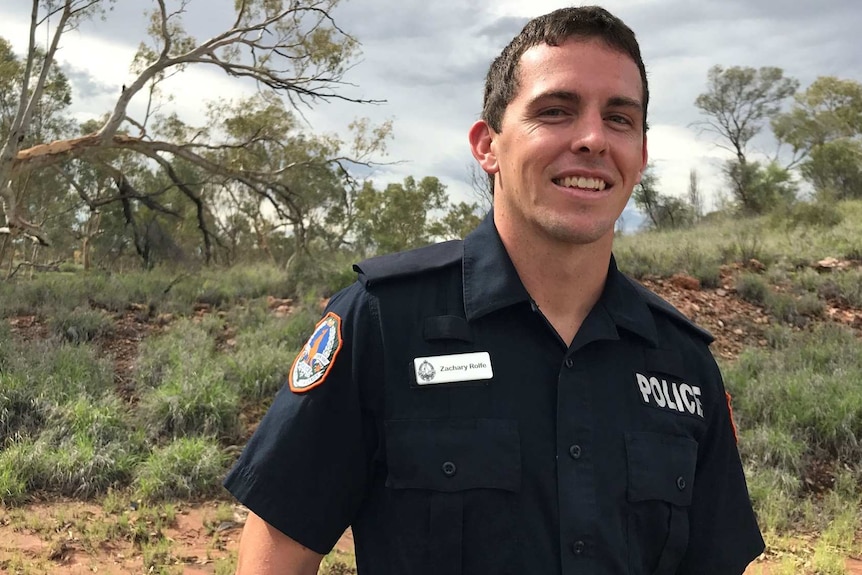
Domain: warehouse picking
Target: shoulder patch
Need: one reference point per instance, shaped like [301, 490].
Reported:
[317, 357]
[657, 303]
[411, 262]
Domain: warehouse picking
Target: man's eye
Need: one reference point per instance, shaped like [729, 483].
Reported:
[617, 119]
[553, 112]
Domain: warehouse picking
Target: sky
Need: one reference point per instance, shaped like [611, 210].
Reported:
[427, 59]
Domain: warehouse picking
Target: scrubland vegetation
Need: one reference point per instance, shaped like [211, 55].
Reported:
[215, 345]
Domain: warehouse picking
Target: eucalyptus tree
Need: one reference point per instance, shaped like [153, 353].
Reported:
[738, 103]
[824, 130]
[293, 50]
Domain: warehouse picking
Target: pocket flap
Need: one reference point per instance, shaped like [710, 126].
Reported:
[453, 455]
[661, 467]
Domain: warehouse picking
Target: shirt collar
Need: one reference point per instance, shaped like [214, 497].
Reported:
[490, 279]
[492, 283]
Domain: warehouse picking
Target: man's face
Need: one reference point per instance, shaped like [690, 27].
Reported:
[571, 145]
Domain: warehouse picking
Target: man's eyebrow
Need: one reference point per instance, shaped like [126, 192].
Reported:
[575, 98]
[564, 95]
[624, 102]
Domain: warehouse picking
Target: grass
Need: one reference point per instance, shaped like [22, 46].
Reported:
[187, 468]
[806, 391]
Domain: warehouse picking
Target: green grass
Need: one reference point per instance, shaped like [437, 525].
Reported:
[81, 324]
[807, 390]
[187, 468]
[727, 240]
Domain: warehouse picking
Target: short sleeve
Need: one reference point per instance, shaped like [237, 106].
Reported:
[306, 468]
[724, 537]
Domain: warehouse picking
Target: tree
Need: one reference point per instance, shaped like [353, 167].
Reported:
[766, 187]
[662, 211]
[737, 102]
[293, 50]
[824, 130]
[397, 217]
[695, 198]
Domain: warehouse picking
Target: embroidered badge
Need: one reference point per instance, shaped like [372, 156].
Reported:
[674, 396]
[313, 363]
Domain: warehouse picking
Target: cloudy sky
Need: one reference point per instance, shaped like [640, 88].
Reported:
[428, 58]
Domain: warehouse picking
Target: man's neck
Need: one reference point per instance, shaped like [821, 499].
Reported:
[564, 279]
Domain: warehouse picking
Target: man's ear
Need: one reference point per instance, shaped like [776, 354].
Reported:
[644, 160]
[481, 144]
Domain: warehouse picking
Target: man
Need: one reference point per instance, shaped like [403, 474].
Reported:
[511, 403]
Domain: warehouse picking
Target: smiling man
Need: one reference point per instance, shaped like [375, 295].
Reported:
[512, 403]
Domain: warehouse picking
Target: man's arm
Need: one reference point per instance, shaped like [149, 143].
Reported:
[263, 549]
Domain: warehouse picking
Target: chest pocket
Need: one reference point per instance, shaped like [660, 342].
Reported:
[452, 489]
[659, 490]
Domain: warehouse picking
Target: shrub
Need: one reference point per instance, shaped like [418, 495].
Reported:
[807, 390]
[806, 215]
[81, 324]
[23, 409]
[191, 402]
[185, 345]
[751, 287]
[13, 486]
[65, 371]
[783, 307]
[774, 495]
[258, 371]
[185, 468]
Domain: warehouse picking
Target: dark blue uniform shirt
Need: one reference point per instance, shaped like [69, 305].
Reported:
[614, 455]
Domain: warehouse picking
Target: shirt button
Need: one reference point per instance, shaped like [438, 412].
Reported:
[569, 362]
[680, 483]
[578, 547]
[575, 451]
[449, 469]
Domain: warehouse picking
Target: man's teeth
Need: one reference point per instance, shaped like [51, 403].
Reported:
[585, 183]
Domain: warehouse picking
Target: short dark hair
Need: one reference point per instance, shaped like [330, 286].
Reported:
[583, 22]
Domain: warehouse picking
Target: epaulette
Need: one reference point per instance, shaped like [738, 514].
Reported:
[408, 263]
[657, 303]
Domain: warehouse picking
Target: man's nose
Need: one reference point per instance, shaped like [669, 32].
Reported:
[589, 136]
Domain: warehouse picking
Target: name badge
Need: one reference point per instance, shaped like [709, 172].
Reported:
[451, 368]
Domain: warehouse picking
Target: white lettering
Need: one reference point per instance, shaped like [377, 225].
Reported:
[687, 397]
[656, 388]
[670, 402]
[643, 384]
[696, 391]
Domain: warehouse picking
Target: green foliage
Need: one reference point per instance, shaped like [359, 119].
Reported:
[774, 494]
[824, 127]
[663, 212]
[265, 351]
[192, 402]
[186, 468]
[806, 390]
[806, 215]
[81, 324]
[186, 345]
[835, 169]
[23, 408]
[396, 218]
[759, 189]
[752, 287]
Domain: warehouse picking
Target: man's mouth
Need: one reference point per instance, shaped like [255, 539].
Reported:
[583, 183]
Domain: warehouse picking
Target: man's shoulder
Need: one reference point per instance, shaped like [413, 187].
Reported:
[664, 308]
[409, 263]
